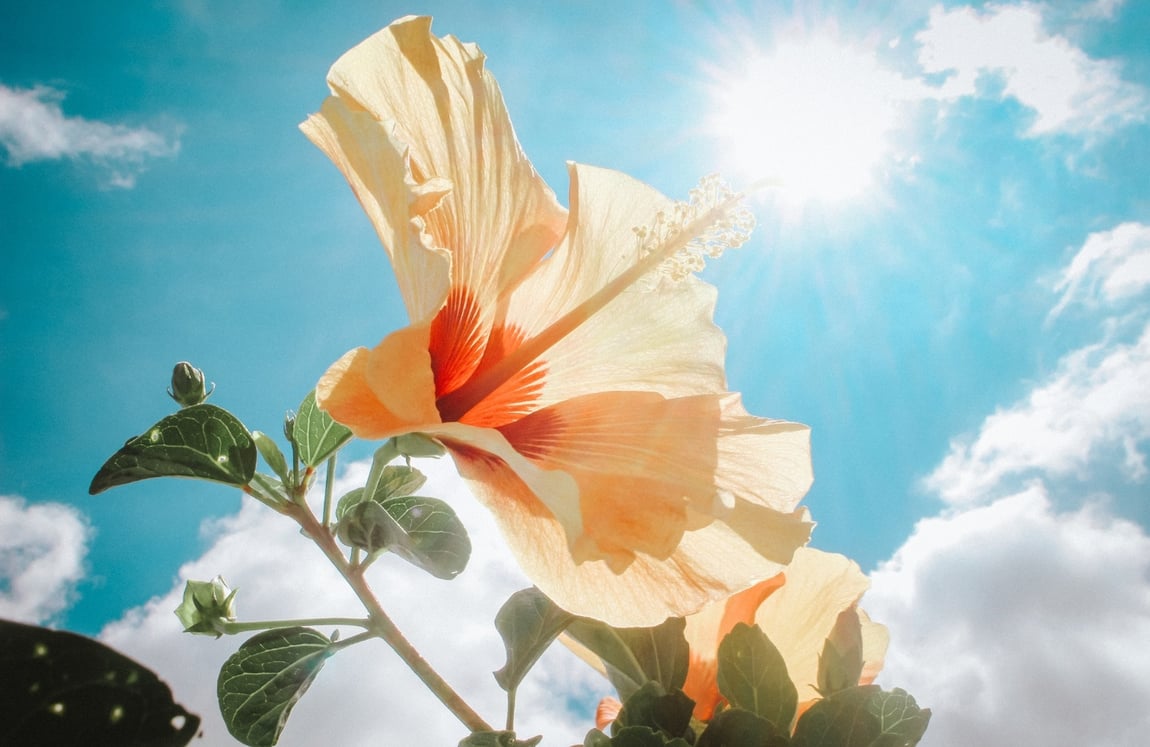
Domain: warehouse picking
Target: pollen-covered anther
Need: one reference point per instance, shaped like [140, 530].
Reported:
[714, 219]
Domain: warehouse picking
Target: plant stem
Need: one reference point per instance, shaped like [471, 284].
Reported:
[511, 709]
[382, 625]
[329, 484]
[231, 628]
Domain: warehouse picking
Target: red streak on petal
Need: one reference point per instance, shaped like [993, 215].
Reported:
[512, 399]
[533, 435]
[457, 343]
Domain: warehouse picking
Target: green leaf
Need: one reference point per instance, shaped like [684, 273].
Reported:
[269, 487]
[316, 435]
[528, 622]
[202, 441]
[753, 676]
[432, 537]
[902, 723]
[596, 738]
[271, 454]
[368, 526]
[395, 481]
[349, 499]
[64, 689]
[642, 736]
[735, 727]
[863, 717]
[497, 739]
[262, 681]
[652, 706]
[634, 656]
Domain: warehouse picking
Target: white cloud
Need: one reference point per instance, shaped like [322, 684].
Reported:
[42, 550]
[34, 128]
[365, 696]
[1111, 266]
[1017, 624]
[1097, 403]
[1069, 91]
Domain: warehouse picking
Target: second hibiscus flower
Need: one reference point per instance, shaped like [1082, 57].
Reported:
[567, 360]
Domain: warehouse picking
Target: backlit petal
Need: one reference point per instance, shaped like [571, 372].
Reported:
[660, 339]
[706, 629]
[385, 391]
[711, 560]
[439, 101]
[799, 617]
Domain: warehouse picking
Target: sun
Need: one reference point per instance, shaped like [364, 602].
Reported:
[812, 116]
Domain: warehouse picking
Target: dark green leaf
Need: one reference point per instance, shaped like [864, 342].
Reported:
[902, 723]
[863, 717]
[753, 676]
[432, 538]
[316, 435]
[62, 689]
[654, 707]
[368, 526]
[497, 739]
[262, 682]
[642, 736]
[528, 622]
[201, 441]
[634, 656]
[596, 738]
[735, 727]
[271, 454]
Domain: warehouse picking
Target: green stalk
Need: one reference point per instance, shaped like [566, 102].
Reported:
[231, 628]
[382, 625]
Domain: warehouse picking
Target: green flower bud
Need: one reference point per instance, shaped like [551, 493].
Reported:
[289, 426]
[188, 385]
[206, 605]
[366, 525]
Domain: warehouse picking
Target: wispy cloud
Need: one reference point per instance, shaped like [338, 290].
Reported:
[33, 127]
[1068, 91]
[42, 550]
[1093, 412]
[280, 575]
[1018, 624]
[1111, 266]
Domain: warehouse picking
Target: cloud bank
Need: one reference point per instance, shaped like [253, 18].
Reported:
[1016, 621]
[33, 127]
[42, 551]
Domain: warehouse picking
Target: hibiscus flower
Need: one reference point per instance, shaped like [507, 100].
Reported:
[815, 598]
[567, 360]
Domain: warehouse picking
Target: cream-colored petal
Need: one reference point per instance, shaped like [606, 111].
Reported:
[712, 560]
[799, 617]
[875, 640]
[648, 466]
[499, 217]
[660, 339]
[375, 165]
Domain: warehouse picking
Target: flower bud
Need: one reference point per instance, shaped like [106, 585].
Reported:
[188, 385]
[206, 605]
[289, 426]
[841, 663]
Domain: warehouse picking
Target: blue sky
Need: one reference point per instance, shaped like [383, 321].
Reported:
[951, 287]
